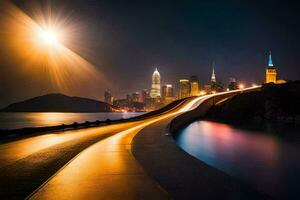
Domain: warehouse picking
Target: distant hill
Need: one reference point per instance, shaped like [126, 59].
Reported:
[59, 103]
[274, 103]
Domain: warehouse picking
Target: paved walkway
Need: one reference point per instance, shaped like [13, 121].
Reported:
[181, 175]
[28, 163]
[106, 170]
[157, 169]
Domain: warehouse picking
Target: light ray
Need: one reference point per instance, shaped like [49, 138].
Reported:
[39, 46]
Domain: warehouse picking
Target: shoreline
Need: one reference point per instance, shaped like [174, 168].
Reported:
[12, 134]
[182, 175]
[269, 110]
[267, 126]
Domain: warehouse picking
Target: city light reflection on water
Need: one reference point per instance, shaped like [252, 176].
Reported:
[20, 120]
[267, 162]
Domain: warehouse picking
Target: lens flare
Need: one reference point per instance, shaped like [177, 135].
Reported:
[37, 43]
[49, 37]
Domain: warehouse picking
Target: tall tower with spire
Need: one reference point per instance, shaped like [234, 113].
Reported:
[213, 76]
[155, 87]
[270, 71]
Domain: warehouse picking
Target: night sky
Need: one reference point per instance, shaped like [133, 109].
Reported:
[126, 40]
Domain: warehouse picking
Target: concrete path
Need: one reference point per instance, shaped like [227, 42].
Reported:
[28, 163]
[106, 170]
[109, 170]
[181, 175]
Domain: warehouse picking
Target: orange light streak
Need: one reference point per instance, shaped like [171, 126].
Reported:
[39, 48]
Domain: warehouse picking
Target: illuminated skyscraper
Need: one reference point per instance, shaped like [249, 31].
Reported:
[184, 88]
[194, 86]
[167, 94]
[213, 76]
[167, 91]
[155, 88]
[271, 71]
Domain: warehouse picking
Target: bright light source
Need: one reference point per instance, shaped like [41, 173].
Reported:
[49, 37]
[241, 86]
[254, 85]
[202, 92]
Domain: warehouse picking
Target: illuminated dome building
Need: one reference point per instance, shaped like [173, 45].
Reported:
[155, 88]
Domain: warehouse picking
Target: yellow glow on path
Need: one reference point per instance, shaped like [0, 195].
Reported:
[108, 170]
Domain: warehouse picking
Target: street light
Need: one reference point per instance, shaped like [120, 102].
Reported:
[241, 86]
[202, 92]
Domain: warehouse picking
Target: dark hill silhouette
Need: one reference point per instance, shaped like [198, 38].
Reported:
[59, 103]
[274, 103]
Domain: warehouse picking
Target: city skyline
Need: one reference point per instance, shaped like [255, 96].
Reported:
[149, 99]
[158, 82]
[158, 95]
[176, 84]
[235, 40]
[110, 96]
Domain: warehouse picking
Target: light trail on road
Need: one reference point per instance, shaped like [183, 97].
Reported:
[12, 151]
[108, 170]
[27, 163]
[56, 162]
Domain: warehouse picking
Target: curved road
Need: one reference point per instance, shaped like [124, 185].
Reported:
[27, 163]
[108, 169]
[92, 163]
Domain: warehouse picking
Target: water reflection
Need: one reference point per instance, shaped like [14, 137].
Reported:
[20, 120]
[265, 161]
